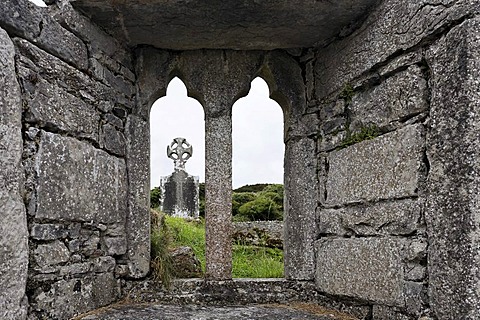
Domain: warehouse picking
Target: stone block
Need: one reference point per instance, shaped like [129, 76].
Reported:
[452, 209]
[115, 245]
[13, 227]
[387, 167]
[97, 40]
[104, 264]
[72, 50]
[300, 202]
[113, 140]
[24, 19]
[48, 232]
[61, 74]
[399, 217]
[76, 269]
[390, 28]
[51, 106]
[96, 193]
[369, 269]
[397, 98]
[138, 218]
[67, 298]
[51, 254]
[415, 297]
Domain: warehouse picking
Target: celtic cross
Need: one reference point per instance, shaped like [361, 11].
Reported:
[179, 151]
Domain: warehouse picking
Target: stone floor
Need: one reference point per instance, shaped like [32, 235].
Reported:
[196, 312]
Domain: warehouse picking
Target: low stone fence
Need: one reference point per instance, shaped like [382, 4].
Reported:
[259, 233]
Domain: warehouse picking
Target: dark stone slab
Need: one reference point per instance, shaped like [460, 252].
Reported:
[169, 312]
[225, 24]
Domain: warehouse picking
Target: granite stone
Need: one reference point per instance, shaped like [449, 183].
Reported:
[138, 217]
[452, 208]
[368, 268]
[13, 228]
[395, 99]
[391, 28]
[388, 167]
[46, 107]
[65, 299]
[227, 24]
[74, 197]
[300, 202]
[401, 217]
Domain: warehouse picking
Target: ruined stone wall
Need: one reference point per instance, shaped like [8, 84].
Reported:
[397, 217]
[381, 170]
[67, 89]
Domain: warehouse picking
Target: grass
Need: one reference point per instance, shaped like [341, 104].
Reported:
[257, 262]
[188, 233]
[170, 232]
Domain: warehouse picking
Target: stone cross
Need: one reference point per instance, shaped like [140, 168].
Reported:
[179, 151]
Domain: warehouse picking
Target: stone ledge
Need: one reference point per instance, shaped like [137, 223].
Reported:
[238, 292]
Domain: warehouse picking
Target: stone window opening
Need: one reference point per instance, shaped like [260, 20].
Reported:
[257, 158]
[176, 115]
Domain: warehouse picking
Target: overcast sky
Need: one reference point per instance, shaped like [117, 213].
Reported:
[257, 135]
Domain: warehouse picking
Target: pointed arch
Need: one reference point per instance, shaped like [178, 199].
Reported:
[258, 147]
[176, 115]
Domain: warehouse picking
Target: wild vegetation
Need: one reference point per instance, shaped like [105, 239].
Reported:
[257, 202]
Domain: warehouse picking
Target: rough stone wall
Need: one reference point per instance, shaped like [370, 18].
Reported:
[397, 215]
[68, 88]
[381, 175]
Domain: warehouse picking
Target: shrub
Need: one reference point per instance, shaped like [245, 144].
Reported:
[262, 208]
[155, 195]
[239, 199]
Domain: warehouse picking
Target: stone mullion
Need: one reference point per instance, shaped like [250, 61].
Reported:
[218, 196]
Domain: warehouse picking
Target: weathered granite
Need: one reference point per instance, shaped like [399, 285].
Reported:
[218, 195]
[45, 107]
[368, 269]
[154, 68]
[138, 217]
[51, 254]
[396, 99]
[67, 298]
[13, 227]
[113, 140]
[259, 233]
[74, 196]
[237, 69]
[168, 312]
[24, 19]
[382, 313]
[388, 167]
[107, 50]
[240, 292]
[452, 210]
[392, 28]
[226, 24]
[300, 202]
[400, 217]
